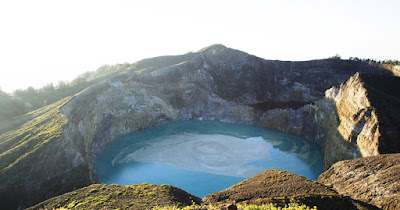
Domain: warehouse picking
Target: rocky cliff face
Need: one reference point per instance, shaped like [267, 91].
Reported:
[358, 119]
[216, 83]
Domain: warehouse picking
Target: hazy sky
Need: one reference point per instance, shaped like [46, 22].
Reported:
[45, 41]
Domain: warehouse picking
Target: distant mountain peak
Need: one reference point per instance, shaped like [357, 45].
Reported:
[213, 49]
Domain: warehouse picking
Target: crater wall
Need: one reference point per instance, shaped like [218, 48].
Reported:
[216, 83]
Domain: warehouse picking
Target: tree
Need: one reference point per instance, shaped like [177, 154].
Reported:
[10, 106]
[337, 56]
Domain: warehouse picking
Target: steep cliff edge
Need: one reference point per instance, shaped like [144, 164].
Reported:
[384, 95]
[216, 83]
[358, 119]
[367, 106]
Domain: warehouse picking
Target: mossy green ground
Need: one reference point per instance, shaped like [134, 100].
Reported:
[143, 196]
[101, 196]
[271, 190]
[45, 125]
[290, 206]
[281, 188]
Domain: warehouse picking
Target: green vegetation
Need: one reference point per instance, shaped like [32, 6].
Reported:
[368, 60]
[101, 196]
[280, 188]
[26, 150]
[10, 106]
[145, 196]
[30, 99]
[290, 206]
[33, 99]
[337, 56]
[23, 101]
[45, 126]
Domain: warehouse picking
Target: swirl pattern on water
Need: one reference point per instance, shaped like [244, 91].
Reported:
[211, 153]
[202, 157]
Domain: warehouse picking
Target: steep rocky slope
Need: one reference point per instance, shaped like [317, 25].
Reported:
[384, 95]
[374, 180]
[360, 118]
[215, 83]
[367, 106]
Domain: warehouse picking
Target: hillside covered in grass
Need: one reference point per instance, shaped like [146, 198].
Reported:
[100, 196]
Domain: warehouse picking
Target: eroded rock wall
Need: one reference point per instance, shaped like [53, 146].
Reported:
[345, 123]
[107, 111]
[318, 122]
[216, 83]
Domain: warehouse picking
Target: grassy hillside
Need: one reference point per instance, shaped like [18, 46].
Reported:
[143, 196]
[23, 101]
[38, 128]
[101, 196]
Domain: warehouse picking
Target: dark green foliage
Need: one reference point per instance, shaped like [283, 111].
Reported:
[10, 106]
[372, 61]
[391, 62]
[22, 101]
[37, 98]
[337, 56]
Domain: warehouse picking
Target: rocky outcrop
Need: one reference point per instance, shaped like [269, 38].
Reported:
[395, 69]
[276, 187]
[101, 196]
[358, 119]
[384, 96]
[374, 180]
[215, 83]
[281, 187]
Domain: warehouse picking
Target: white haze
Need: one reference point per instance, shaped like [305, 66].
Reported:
[46, 41]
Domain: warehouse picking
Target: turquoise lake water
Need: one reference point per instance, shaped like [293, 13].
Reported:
[202, 157]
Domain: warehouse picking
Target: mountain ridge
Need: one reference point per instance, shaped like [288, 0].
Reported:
[217, 84]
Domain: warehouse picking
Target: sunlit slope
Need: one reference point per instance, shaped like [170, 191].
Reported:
[32, 157]
[101, 196]
[45, 125]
